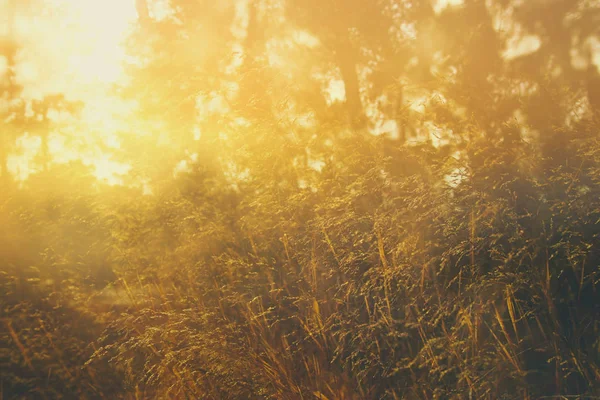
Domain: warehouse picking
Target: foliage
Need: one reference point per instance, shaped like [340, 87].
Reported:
[302, 253]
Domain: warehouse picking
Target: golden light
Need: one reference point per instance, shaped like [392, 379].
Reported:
[76, 47]
[73, 46]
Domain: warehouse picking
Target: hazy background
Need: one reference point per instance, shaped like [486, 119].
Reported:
[299, 199]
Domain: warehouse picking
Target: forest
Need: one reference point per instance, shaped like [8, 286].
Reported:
[300, 199]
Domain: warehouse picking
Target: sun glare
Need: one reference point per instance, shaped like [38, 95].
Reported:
[76, 47]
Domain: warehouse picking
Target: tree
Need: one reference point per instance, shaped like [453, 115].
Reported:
[21, 115]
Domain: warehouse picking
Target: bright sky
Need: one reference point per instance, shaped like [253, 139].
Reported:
[74, 47]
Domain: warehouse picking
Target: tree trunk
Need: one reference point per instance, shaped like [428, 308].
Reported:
[347, 65]
[399, 115]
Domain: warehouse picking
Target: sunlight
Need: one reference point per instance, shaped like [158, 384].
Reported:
[109, 171]
[287, 199]
[21, 165]
[440, 5]
[521, 46]
[76, 47]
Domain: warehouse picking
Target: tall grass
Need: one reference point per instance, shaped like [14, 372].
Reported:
[380, 281]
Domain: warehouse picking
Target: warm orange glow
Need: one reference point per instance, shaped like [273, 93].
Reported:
[299, 199]
[76, 47]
